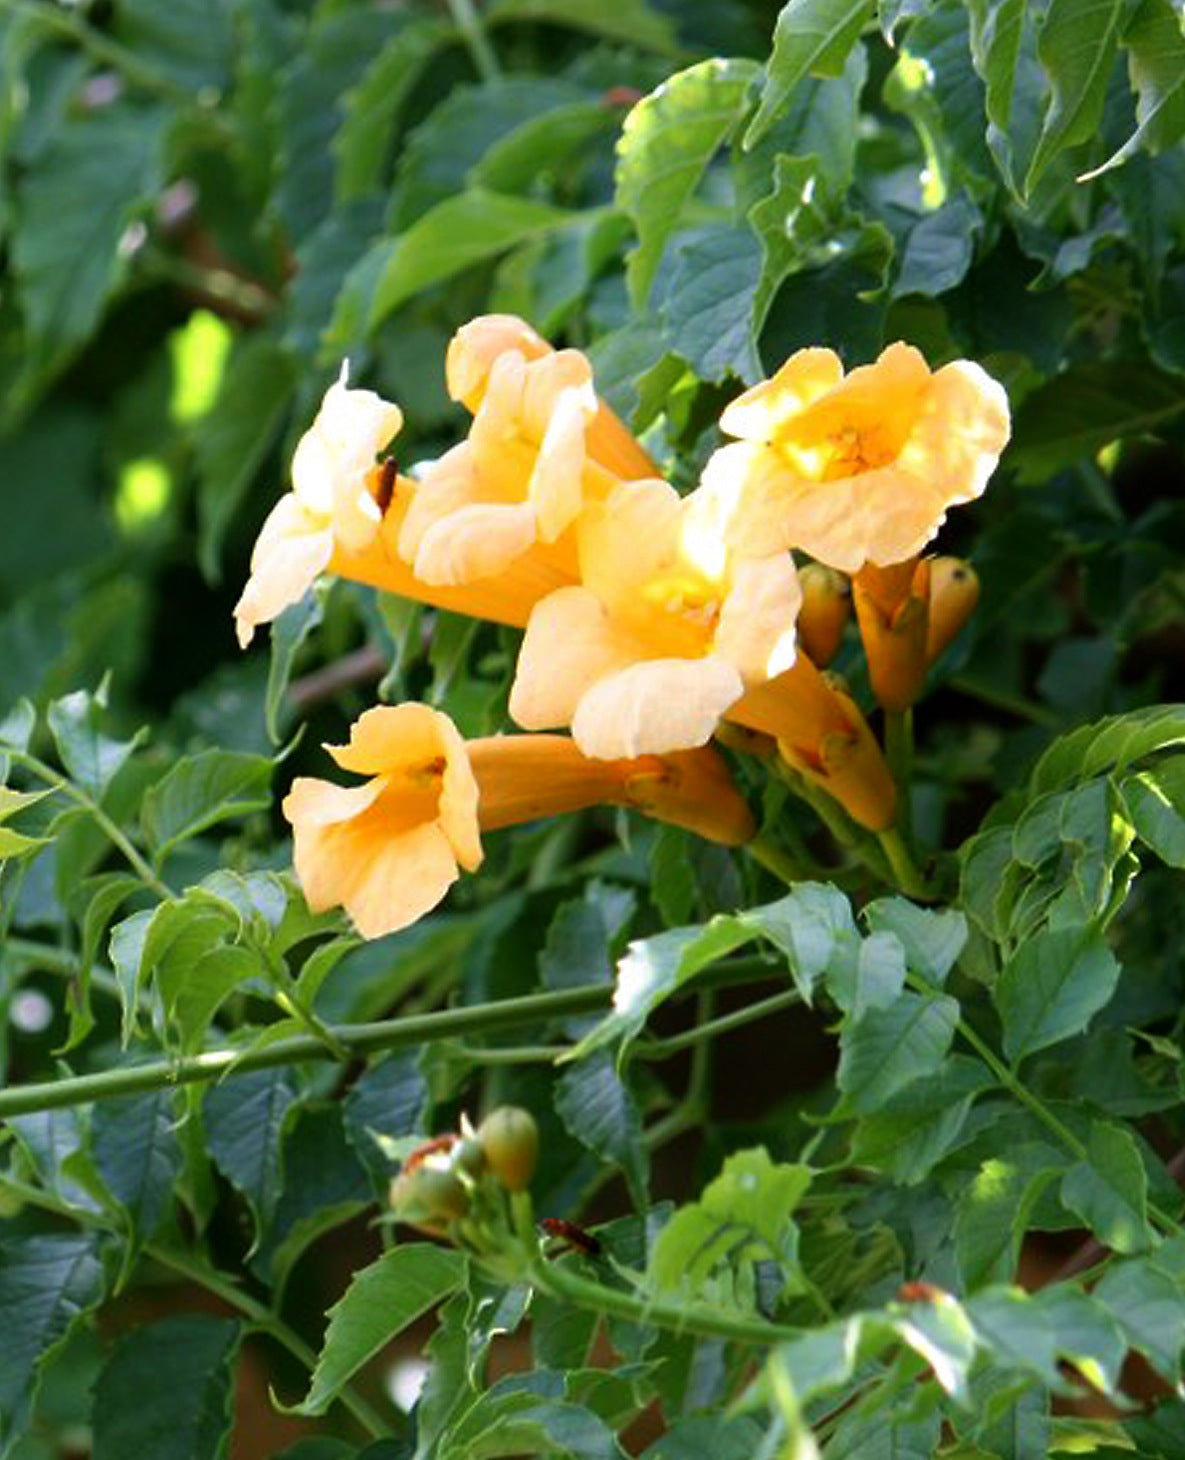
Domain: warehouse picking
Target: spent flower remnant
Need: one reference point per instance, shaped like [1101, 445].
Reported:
[665, 631]
[389, 850]
[857, 468]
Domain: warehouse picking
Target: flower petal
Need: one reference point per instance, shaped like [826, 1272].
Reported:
[313, 802]
[475, 542]
[655, 706]
[290, 554]
[394, 737]
[570, 643]
[756, 631]
[760, 411]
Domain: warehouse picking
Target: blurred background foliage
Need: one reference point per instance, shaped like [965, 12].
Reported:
[206, 205]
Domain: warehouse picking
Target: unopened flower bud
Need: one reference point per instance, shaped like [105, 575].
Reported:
[510, 1139]
[954, 592]
[826, 609]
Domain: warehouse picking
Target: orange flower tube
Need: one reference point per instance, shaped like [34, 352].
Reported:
[893, 610]
[826, 609]
[345, 514]
[389, 850]
[822, 734]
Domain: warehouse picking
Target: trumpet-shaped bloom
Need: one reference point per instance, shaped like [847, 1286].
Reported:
[334, 502]
[345, 514]
[859, 468]
[540, 447]
[388, 850]
[665, 632]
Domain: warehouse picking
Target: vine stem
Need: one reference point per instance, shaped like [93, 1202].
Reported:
[1008, 1077]
[559, 1281]
[774, 859]
[899, 754]
[356, 1039]
[905, 873]
[112, 832]
[473, 33]
[661, 1049]
[265, 1321]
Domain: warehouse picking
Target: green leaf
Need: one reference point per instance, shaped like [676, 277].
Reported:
[126, 947]
[939, 249]
[860, 1436]
[1149, 1306]
[455, 235]
[1107, 745]
[246, 1117]
[932, 940]
[373, 105]
[1016, 1332]
[1085, 1334]
[191, 41]
[708, 1437]
[289, 632]
[200, 791]
[883, 1050]
[47, 1284]
[105, 167]
[709, 309]
[138, 1155]
[1155, 49]
[1087, 407]
[390, 1098]
[632, 21]
[743, 1215]
[380, 1302]
[914, 1129]
[994, 1212]
[233, 439]
[1076, 44]
[1155, 801]
[666, 144]
[168, 1390]
[1109, 1190]
[1052, 987]
[598, 1109]
[90, 757]
[811, 38]
[872, 980]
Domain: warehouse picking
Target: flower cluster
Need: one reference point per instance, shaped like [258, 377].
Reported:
[652, 622]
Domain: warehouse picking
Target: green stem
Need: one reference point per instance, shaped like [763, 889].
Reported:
[661, 1049]
[473, 33]
[265, 1321]
[112, 832]
[905, 873]
[559, 1281]
[1033, 1103]
[774, 859]
[104, 50]
[899, 754]
[62, 961]
[220, 285]
[356, 1039]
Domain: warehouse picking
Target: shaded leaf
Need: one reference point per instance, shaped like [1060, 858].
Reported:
[1052, 987]
[380, 1302]
[811, 38]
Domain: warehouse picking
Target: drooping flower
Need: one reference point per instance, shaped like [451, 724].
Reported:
[388, 850]
[540, 447]
[666, 630]
[334, 502]
[859, 468]
[344, 515]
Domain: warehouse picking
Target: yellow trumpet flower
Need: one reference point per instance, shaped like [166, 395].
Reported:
[857, 468]
[388, 850]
